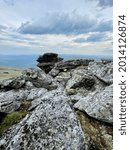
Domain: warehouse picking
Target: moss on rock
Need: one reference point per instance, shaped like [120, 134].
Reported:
[11, 119]
[14, 117]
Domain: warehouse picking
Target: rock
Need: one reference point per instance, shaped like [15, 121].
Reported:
[71, 64]
[63, 77]
[98, 105]
[10, 101]
[71, 91]
[29, 79]
[70, 108]
[13, 102]
[54, 72]
[36, 93]
[39, 78]
[81, 78]
[48, 57]
[102, 70]
[29, 85]
[47, 61]
[52, 125]
[13, 83]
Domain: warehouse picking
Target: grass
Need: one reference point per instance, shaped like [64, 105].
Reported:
[8, 72]
[14, 117]
[10, 119]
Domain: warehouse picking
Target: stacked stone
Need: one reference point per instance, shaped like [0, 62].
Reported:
[47, 61]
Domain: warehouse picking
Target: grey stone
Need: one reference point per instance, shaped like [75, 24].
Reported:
[103, 71]
[81, 78]
[47, 61]
[52, 122]
[13, 83]
[10, 101]
[54, 72]
[98, 104]
[52, 125]
[71, 64]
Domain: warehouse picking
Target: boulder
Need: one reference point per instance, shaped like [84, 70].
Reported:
[98, 104]
[103, 70]
[47, 61]
[13, 83]
[37, 77]
[81, 78]
[52, 125]
[10, 101]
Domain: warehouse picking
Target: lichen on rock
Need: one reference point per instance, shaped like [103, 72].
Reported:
[65, 105]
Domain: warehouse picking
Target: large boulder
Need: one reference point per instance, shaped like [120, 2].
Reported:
[47, 61]
[98, 104]
[11, 101]
[52, 125]
[102, 70]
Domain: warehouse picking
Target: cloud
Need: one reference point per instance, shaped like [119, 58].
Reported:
[104, 25]
[65, 24]
[95, 37]
[59, 24]
[2, 27]
[9, 2]
[103, 3]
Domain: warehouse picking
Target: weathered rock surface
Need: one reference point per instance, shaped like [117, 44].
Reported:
[103, 70]
[71, 64]
[30, 78]
[68, 109]
[98, 104]
[52, 125]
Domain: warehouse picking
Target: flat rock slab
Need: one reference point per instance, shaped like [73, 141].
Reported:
[98, 104]
[103, 71]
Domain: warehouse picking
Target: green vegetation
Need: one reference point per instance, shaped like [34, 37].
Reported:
[14, 117]
[11, 119]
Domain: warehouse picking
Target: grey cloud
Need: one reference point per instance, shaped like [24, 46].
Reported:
[65, 24]
[80, 40]
[104, 25]
[2, 27]
[9, 2]
[103, 3]
[108, 51]
[59, 24]
[97, 37]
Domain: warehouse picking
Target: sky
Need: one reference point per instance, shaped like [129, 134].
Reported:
[61, 26]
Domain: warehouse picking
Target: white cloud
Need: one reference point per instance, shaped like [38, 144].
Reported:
[54, 25]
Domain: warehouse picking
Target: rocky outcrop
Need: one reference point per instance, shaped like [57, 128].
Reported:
[69, 108]
[52, 125]
[47, 61]
[30, 78]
